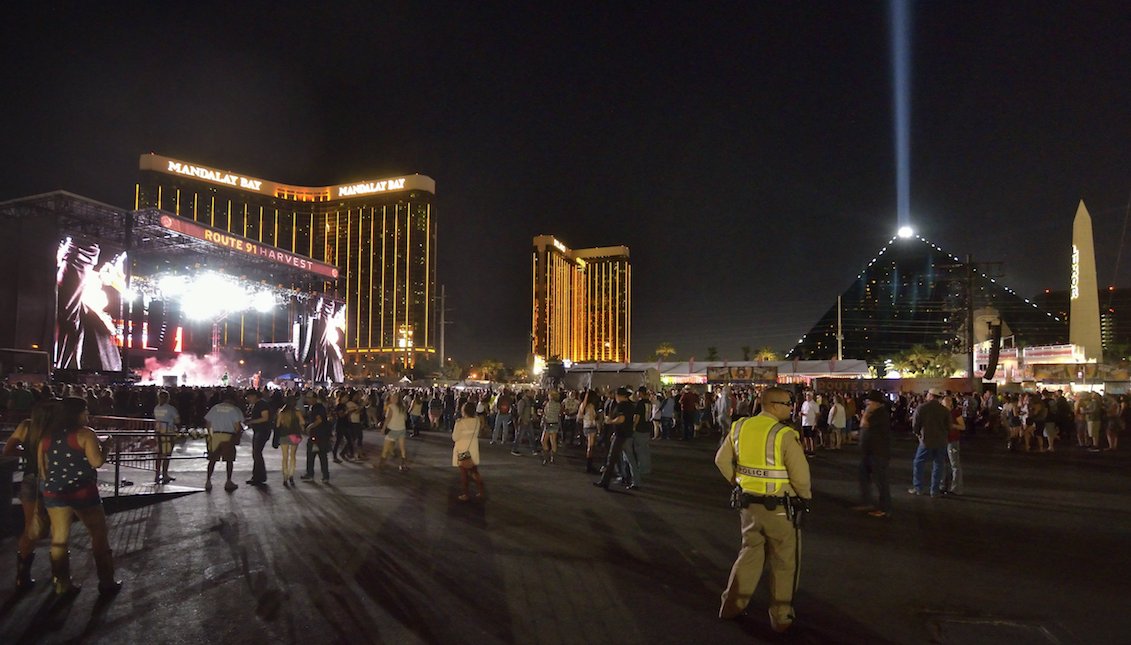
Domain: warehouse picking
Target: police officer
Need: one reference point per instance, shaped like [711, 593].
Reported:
[764, 457]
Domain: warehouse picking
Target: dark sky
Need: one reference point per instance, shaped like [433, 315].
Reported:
[742, 150]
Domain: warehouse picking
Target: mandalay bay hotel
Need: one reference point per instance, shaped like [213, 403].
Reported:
[380, 233]
[582, 303]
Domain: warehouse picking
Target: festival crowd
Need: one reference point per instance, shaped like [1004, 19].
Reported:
[613, 428]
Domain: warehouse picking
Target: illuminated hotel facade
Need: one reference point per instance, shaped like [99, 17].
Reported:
[581, 302]
[381, 234]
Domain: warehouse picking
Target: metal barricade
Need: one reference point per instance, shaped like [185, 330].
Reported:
[135, 443]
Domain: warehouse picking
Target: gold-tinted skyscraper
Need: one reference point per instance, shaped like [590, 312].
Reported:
[581, 302]
[381, 234]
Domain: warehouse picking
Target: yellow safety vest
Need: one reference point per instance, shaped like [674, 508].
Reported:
[759, 454]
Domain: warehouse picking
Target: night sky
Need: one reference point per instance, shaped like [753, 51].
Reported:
[742, 150]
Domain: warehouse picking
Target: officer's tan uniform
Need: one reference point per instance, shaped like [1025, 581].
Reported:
[767, 462]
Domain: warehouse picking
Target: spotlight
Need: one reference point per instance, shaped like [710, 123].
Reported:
[172, 286]
[263, 302]
[905, 232]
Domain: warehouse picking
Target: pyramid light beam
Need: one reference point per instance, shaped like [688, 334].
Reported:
[901, 105]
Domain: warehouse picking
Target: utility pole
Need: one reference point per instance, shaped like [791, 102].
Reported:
[970, 324]
[443, 324]
[839, 333]
[970, 269]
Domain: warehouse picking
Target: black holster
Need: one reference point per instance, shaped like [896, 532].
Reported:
[737, 498]
[796, 509]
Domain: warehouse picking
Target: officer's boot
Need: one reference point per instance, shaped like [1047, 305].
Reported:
[104, 563]
[61, 573]
[23, 571]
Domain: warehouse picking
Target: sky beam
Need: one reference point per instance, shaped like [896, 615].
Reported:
[900, 11]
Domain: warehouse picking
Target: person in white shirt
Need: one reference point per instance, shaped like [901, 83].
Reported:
[465, 438]
[570, 406]
[838, 419]
[723, 407]
[810, 410]
[225, 425]
[167, 419]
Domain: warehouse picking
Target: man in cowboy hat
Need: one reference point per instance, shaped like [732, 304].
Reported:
[932, 425]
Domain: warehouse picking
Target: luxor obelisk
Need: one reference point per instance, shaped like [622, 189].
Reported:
[1084, 315]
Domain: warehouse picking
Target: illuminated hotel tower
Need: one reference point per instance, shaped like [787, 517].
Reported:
[581, 302]
[1084, 314]
[380, 233]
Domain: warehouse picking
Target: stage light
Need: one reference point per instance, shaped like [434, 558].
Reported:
[172, 285]
[263, 302]
[905, 232]
[211, 296]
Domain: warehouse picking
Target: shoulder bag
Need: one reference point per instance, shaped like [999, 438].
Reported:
[464, 458]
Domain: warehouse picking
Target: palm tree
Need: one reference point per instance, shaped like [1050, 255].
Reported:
[941, 364]
[453, 370]
[746, 352]
[665, 351]
[901, 365]
[766, 353]
[490, 369]
[712, 353]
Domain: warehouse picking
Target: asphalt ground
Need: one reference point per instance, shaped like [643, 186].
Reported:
[1035, 552]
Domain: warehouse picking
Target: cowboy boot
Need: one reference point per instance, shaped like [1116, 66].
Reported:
[104, 563]
[61, 574]
[23, 571]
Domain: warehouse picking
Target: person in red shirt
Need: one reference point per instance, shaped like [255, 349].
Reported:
[688, 407]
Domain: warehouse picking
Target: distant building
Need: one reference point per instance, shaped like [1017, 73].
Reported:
[914, 293]
[1115, 315]
[380, 233]
[581, 302]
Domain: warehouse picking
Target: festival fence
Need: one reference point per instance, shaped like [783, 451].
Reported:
[136, 443]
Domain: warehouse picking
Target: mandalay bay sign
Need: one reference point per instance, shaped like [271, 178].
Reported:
[216, 176]
[157, 163]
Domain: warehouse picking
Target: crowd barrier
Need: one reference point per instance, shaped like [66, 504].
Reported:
[134, 443]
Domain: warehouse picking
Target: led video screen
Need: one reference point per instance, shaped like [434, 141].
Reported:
[90, 281]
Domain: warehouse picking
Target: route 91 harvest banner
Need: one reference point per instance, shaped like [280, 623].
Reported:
[241, 244]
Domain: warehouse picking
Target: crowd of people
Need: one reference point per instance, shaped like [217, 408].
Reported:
[613, 429]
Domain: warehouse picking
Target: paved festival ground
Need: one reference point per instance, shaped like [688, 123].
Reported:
[1035, 553]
